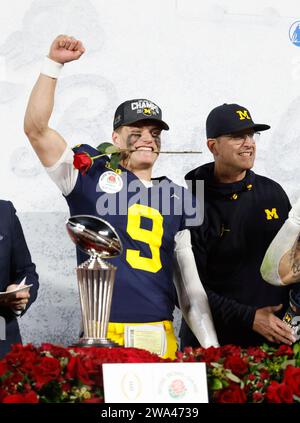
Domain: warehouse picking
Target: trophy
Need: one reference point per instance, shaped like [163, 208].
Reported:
[95, 276]
[292, 315]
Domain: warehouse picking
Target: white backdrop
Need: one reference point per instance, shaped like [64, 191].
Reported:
[188, 56]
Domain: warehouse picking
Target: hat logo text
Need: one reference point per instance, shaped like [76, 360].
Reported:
[146, 107]
[243, 114]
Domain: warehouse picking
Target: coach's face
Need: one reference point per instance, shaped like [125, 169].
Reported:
[234, 153]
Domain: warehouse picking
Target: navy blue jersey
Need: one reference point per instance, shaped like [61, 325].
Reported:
[146, 220]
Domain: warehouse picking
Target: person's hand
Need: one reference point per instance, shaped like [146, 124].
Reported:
[271, 327]
[65, 49]
[17, 300]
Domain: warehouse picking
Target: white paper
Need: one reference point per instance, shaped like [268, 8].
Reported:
[148, 337]
[9, 293]
[22, 282]
[155, 383]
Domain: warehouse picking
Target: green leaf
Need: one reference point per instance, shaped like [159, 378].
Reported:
[114, 161]
[108, 148]
[232, 377]
[216, 384]
[288, 362]
[296, 399]
[112, 149]
[104, 146]
[216, 365]
[225, 383]
[296, 348]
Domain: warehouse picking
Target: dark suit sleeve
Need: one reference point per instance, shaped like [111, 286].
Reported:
[21, 264]
[223, 308]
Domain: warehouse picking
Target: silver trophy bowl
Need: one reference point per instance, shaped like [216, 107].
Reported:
[95, 276]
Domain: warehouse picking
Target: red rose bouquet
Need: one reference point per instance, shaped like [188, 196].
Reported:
[56, 374]
[255, 375]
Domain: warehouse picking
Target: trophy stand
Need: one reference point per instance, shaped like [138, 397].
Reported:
[95, 276]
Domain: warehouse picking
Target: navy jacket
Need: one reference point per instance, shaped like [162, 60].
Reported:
[241, 220]
[15, 264]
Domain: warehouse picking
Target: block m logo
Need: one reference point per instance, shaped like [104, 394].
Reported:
[243, 114]
[147, 111]
[271, 214]
[2, 329]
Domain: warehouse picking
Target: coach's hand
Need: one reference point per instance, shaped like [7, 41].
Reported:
[271, 327]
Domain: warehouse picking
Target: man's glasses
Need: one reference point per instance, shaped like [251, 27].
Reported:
[241, 138]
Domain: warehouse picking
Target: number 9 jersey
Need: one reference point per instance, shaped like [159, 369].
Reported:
[146, 215]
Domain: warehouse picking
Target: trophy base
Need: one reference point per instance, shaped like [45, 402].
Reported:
[95, 342]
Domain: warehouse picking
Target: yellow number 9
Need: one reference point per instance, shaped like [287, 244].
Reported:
[153, 238]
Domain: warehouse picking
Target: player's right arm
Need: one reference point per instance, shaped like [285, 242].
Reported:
[48, 144]
[192, 297]
[281, 264]
[289, 265]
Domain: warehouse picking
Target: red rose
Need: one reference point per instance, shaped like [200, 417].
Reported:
[233, 393]
[257, 396]
[229, 350]
[179, 356]
[264, 374]
[119, 355]
[292, 379]
[3, 394]
[188, 350]
[236, 364]
[198, 350]
[23, 358]
[211, 354]
[279, 392]
[257, 354]
[48, 369]
[10, 382]
[3, 368]
[251, 377]
[82, 162]
[29, 397]
[284, 350]
[66, 386]
[55, 350]
[81, 369]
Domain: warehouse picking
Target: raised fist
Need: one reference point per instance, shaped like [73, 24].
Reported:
[66, 49]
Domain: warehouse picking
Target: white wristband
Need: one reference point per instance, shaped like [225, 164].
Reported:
[51, 68]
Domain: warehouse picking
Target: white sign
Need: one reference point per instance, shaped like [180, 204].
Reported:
[155, 383]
